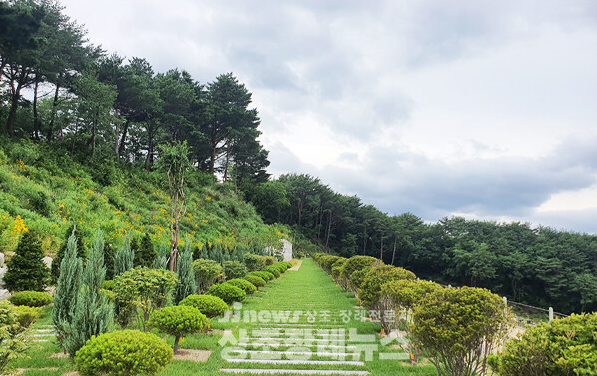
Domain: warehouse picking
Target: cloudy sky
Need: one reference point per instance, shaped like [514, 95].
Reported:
[481, 109]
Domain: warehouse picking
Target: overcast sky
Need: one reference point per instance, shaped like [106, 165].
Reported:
[481, 109]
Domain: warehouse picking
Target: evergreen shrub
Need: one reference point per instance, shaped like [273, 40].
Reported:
[266, 276]
[26, 315]
[272, 269]
[125, 352]
[207, 272]
[254, 262]
[227, 292]
[234, 269]
[247, 286]
[178, 321]
[210, 305]
[256, 281]
[26, 269]
[31, 298]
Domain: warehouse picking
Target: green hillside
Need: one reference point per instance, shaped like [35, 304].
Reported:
[43, 188]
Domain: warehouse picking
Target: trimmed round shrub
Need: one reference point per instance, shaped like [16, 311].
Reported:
[209, 305]
[337, 267]
[31, 298]
[227, 292]
[269, 260]
[207, 272]
[125, 352]
[266, 276]
[370, 291]
[272, 269]
[234, 269]
[354, 264]
[256, 281]
[247, 286]
[26, 315]
[178, 321]
[254, 262]
[317, 257]
[566, 346]
[327, 261]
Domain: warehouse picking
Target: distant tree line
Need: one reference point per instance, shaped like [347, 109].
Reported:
[539, 266]
[58, 87]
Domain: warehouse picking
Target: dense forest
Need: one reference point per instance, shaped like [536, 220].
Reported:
[110, 114]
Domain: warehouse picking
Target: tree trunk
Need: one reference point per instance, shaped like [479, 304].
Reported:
[35, 115]
[394, 251]
[149, 159]
[327, 237]
[93, 134]
[228, 152]
[116, 138]
[123, 138]
[12, 114]
[381, 249]
[53, 116]
[175, 347]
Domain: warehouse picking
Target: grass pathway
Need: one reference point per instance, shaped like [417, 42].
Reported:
[306, 324]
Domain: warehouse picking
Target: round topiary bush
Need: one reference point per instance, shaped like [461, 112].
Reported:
[209, 305]
[256, 281]
[207, 272]
[272, 269]
[266, 276]
[227, 292]
[178, 321]
[247, 286]
[31, 298]
[125, 352]
[234, 269]
[254, 262]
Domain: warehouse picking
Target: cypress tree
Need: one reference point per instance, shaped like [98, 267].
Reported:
[94, 313]
[57, 262]
[67, 290]
[186, 275]
[161, 262]
[109, 260]
[145, 253]
[26, 270]
[124, 258]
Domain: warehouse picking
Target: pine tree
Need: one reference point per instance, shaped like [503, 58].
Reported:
[26, 269]
[145, 254]
[186, 275]
[57, 262]
[94, 313]
[124, 258]
[67, 290]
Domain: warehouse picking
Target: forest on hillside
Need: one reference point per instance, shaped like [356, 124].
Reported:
[111, 114]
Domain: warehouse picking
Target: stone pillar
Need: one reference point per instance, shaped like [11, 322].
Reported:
[550, 313]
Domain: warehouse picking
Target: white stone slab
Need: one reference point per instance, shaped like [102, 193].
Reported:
[275, 345]
[297, 339]
[293, 371]
[296, 361]
[286, 352]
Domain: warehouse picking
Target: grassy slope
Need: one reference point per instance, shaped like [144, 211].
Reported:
[46, 190]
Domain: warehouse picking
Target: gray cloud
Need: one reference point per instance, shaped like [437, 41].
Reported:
[402, 181]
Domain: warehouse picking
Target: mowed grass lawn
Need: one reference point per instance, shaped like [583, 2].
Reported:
[307, 290]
